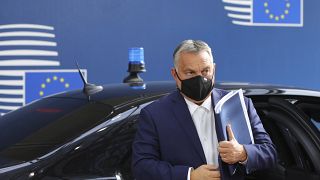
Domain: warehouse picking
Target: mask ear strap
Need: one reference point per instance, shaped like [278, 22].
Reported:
[177, 74]
[178, 78]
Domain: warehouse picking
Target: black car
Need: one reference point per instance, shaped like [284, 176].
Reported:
[80, 135]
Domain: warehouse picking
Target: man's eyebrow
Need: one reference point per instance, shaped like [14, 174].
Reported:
[205, 68]
[189, 69]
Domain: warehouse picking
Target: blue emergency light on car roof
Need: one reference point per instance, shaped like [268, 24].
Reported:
[136, 65]
[136, 55]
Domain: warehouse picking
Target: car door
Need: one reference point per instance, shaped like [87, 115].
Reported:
[106, 152]
[295, 136]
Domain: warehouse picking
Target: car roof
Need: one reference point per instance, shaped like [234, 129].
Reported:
[123, 92]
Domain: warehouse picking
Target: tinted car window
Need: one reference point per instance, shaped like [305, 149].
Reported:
[44, 125]
[106, 153]
[312, 110]
[315, 119]
[316, 123]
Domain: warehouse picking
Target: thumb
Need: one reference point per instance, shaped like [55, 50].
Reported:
[230, 133]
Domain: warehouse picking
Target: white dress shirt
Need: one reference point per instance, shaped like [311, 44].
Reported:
[203, 119]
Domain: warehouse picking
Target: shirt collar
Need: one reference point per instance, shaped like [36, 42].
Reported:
[192, 106]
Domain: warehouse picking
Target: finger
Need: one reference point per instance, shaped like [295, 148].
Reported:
[223, 156]
[225, 144]
[226, 160]
[211, 167]
[223, 150]
[230, 132]
[214, 174]
[224, 153]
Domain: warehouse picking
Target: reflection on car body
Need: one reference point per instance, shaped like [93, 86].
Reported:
[71, 136]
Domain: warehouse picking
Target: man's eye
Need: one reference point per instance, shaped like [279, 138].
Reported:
[189, 73]
[205, 71]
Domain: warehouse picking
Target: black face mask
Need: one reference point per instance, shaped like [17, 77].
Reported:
[196, 88]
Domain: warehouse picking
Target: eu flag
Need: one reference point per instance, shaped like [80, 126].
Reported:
[277, 12]
[39, 84]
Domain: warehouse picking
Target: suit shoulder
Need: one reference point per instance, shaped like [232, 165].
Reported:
[220, 92]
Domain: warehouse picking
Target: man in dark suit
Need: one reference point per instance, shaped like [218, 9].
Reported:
[176, 137]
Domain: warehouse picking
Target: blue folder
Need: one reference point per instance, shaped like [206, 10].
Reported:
[231, 109]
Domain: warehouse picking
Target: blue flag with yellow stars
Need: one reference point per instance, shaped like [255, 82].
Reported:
[40, 84]
[277, 11]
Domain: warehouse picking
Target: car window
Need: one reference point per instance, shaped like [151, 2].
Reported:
[45, 125]
[312, 110]
[109, 154]
[316, 123]
[295, 151]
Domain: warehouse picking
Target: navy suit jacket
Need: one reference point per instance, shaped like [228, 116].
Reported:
[167, 142]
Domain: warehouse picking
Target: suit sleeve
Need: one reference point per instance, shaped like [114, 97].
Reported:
[262, 154]
[146, 157]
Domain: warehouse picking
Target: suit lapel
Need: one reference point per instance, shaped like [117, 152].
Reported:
[216, 96]
[182, 114]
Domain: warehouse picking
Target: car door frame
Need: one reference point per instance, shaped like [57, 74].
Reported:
[296, 128]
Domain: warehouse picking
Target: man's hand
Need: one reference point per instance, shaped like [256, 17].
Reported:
[205, 172]
[231, 151]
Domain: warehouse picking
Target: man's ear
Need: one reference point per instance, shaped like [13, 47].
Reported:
[173, 73]
[175, 77]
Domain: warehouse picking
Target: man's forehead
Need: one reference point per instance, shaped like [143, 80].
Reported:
[194, 56]
[191, 59]
[195, 68]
